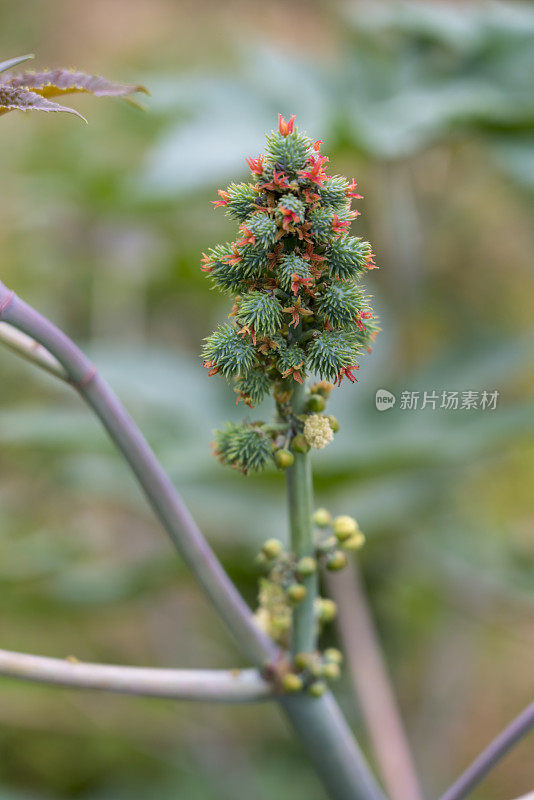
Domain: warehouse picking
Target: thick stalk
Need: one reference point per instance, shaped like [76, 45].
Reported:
[213, 685]
[330, 744]
[300, 501]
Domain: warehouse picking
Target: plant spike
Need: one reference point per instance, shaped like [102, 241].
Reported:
[295, 273]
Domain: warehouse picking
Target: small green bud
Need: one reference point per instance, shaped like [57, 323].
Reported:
[326, 609]
[334, 424]
[330, 543]
[331, 671]
[306, 566]
[297, 592]
[316, 402]
[333, 655]
[299, 444]
[344, 527]
[322, 518]
[354, 542]
[272, 548]
[292, 682]
[302, 660]
[283, 458]
[337, 561]
[317, 688]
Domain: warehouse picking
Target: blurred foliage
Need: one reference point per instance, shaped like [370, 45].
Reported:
[429, 105]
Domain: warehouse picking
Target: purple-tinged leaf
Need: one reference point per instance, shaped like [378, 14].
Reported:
[51, 83]
[12, 98]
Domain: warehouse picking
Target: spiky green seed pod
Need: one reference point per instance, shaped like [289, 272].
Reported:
[317, 688]
[299, 444]
[322, 518]
[292, 683]
[241, 201]
[333, 655]
[228, 352]
[243, 447]
[296, 592]
[253, 386]
[316, 402]
[261, 311]
[306, 566]
[345, 526]
[272, 548]
[337, 561]
[290, 265]
[262, 229]
[283, 458]
[334, 424]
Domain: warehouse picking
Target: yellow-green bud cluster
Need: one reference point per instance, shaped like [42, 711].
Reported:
[334, 537]
[311, 671]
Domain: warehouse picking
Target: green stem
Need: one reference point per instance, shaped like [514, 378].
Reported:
[300, 500]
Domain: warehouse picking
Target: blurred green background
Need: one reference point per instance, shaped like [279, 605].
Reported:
[431, 107]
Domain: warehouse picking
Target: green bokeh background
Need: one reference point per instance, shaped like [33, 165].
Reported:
[430, 106]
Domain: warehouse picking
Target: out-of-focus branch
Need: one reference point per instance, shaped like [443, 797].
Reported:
[225, 686]
[372, 685]
[160, 492]
[31, 350]
[493, 753]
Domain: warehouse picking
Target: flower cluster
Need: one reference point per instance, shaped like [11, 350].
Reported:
[295, 274]
[283, 588]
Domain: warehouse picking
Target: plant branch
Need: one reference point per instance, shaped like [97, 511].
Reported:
[493, 753]
[372, 684]
[318, 722]
[300, 500]
[30, 350]
[331, 747]
[160, 492]
[214, 685]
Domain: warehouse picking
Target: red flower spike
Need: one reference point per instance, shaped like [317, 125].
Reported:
[294, 372]
[279, 181]
[249, 237]
[358, 319]
[285, 128]
[235, 258]
[255, 165]
[297, 310]
[340, 226]
[370, 264]
[315, 173]
[206, 265]
[297, 282]
[212, 369]
[224, 199]
[346, 372]
[248, 330]
[351, 191]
